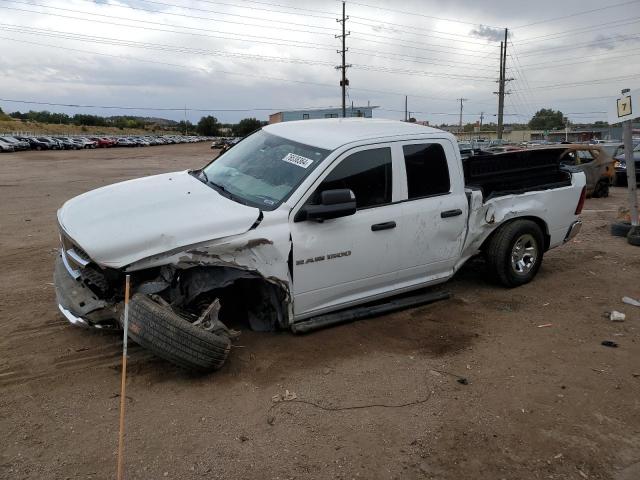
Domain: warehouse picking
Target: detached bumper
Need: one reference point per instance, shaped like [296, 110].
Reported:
[574, 230]
[78, 303]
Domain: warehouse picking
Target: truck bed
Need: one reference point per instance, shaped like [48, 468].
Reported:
[519, 171]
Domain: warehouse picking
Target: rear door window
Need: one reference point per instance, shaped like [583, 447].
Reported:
[427, 170]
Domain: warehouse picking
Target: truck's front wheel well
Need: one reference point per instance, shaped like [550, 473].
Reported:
[540, 222]
[246, 298]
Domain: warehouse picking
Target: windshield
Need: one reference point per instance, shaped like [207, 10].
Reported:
[263, 169]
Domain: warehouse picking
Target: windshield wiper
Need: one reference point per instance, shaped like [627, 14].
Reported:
[223, 190]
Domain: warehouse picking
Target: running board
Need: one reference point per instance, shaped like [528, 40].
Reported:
[359, 313]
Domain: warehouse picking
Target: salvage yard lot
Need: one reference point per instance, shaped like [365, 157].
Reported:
[541, 402]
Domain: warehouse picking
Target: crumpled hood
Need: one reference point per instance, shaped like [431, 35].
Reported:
[122, 223]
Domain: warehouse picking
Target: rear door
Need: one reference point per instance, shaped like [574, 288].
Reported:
[434, 210]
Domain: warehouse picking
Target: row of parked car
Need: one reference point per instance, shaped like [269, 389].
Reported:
[15, 143]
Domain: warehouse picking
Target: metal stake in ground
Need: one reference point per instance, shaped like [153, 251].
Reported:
[624, 110]
[631, 171]
[123, 383]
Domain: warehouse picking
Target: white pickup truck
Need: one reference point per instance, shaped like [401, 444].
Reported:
[300, 224]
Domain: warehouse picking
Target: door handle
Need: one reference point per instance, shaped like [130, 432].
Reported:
[451, 213]
[383, 226]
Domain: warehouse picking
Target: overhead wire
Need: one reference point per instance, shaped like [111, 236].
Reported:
[153, 46]
[226, 72]
[413, 14]
[162, 109]
[593, 43]
[103, 15]
[565, 33]
[218, 53]
[199, 17]
[572, 15]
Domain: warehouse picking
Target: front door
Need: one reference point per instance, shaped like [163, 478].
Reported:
[343, 260]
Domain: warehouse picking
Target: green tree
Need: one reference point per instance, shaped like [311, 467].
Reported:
[547, 119]
[185, 127]
[208, 126]
[246, 126]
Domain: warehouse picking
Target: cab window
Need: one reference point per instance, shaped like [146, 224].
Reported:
[367, 173]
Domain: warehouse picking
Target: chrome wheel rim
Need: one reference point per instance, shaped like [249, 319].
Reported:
[524, 254]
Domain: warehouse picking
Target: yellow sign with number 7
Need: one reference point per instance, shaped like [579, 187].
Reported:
[624, 106]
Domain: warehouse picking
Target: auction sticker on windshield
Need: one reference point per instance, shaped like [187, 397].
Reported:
[298, 160]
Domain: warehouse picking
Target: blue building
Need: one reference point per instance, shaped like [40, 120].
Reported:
[291, 115]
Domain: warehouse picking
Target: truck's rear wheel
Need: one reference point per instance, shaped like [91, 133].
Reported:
[173, 338]
[515, 252]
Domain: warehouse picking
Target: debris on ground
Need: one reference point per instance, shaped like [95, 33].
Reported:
[616, 316]
[631, 301]
[609, 343]
[287, 396]
[544, 325]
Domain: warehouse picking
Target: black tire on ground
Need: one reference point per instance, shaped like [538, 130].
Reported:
[601, 190]
[621, 179]
[38, 147]
[633, 237]
[515, 252]
[620, 229]
[173, 338]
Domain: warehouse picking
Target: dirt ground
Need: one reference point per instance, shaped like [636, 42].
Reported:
[540, 403]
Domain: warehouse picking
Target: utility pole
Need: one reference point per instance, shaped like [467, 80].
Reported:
[344, 82]
[406, 109]
[185, 120]
[460, 125]
[501, 82]
[480, 129]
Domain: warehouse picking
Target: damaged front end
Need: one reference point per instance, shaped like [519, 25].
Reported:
[238, 286]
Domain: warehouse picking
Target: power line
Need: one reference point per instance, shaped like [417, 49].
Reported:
[583, 12]
[244, 24]
[588, 82]
[412, 14]
[565, 33]
[421, 73]
[217, 53]
[151, 46]
[253, 38]
[581, 62]
[421, 48]
[162, 109]
[414, 59]
[429, 34]
[273, 5]
[384, 37]
[594, 43]
[223, 72]
[251, 7]
[249, 17]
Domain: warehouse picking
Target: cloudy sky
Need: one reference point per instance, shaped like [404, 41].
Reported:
[241, 58]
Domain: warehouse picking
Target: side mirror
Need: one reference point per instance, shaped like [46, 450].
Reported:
[333, 204]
